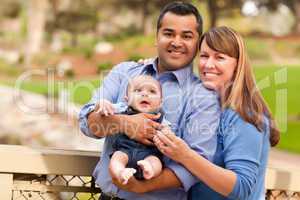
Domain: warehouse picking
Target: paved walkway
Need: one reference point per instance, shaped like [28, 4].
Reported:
[26, 120]
[283, 159]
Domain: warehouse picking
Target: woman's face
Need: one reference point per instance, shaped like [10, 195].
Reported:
[216, 69]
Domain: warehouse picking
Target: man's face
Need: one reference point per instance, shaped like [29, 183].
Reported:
[177, 41]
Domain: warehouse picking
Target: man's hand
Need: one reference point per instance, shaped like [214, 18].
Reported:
[166, 180]
[133, 185]
[141, 127]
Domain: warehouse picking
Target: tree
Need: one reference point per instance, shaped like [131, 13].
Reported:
[79, 17]
[36, 13]
[296, 10]
[146, 9]
[10, 8]
[219, 8]
[293, 5]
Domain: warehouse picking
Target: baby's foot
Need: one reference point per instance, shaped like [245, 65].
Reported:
[126, 174]
[147, 168]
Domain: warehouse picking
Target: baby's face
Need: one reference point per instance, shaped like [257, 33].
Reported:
[144, 95]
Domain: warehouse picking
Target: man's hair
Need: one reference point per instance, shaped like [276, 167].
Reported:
[182, 9]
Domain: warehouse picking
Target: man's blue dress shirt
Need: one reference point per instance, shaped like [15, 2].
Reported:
[192, 110]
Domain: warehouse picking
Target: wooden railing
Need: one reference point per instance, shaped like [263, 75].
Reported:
[283, 183]
[30, 173]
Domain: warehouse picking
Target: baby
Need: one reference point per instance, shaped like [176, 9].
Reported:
[129, 157]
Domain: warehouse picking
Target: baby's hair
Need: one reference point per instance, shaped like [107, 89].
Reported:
[146, 77]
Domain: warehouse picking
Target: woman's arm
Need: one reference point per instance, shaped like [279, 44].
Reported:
[175, 148]
[242, 151]
[219, 179]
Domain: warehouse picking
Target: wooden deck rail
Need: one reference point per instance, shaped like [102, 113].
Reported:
[30, 172]
[49, 174]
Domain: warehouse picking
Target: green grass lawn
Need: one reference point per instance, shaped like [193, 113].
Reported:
[290, 136]
[290, 140]
[273, 88]
[80, 90]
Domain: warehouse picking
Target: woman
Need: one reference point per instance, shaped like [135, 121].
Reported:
[246, 129]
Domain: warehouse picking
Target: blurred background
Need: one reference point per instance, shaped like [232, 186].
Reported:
[54, 53]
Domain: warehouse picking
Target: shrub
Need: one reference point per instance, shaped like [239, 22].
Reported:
[104, 66]
[87, 52]
[69, 73]
[135, 57]
[258, 49]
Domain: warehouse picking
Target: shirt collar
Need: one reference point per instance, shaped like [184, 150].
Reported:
[181, 75]
[151, 67]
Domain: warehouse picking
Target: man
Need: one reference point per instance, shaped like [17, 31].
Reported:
[192, 110]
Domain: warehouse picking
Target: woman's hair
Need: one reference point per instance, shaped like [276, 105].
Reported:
[242, 95]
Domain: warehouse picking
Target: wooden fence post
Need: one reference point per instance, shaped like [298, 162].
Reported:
[6, 184]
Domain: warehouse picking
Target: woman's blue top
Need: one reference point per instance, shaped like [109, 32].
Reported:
[244, 150]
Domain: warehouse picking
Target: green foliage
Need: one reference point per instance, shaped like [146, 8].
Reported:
[287, 48]
[104, 66]
[135, 57]
[11, 39]
[87, 52]
[257, 48]
[69, 73]
[297, 50]
[74, 21]
[10, 8]
[9, 138]
[10, 70]
[124, 34]
[136, 41]
[68, 49]
[85, 45]
[42, 58]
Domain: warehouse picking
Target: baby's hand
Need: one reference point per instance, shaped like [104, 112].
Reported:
[165, 129]
[145, 61]
[104, 107]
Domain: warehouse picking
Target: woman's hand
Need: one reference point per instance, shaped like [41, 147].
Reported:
[171, 145]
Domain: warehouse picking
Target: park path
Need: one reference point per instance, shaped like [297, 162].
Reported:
[26, 120]
[283, 159]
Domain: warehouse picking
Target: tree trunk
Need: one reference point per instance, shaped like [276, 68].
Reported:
[297, 16]
[139, 19]
[74, 40]
[212, 10]
[146, 19]
[37, 10]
